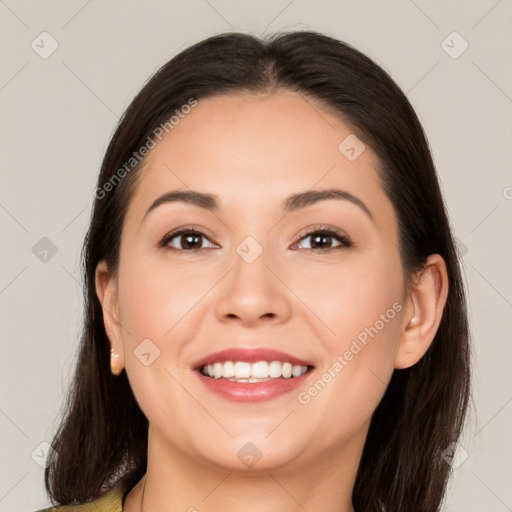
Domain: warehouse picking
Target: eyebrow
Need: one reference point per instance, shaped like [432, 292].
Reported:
[292, 203]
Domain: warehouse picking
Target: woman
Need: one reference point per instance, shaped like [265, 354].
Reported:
[274, 311]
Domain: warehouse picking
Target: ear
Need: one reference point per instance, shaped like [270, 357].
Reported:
[423, 312]
[106, 290]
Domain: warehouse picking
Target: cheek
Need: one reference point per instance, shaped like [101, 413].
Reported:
[347, 298]
[157, 302]
[154, 294]
[165, 302]
[360, 307]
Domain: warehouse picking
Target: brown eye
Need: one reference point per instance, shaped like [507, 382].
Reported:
[185, 239]
[324, 240]
[320, 241]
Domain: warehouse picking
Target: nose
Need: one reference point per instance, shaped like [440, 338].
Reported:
[253, 293]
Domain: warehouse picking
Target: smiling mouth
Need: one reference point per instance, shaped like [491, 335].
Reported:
[259, 371]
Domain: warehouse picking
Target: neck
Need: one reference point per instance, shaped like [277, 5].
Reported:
[176, 481]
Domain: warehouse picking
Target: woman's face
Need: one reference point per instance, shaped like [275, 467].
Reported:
[257, 277]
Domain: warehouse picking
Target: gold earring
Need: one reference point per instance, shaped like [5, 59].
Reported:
[114, 357]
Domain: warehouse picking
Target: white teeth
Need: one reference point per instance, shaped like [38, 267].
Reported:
[217, 370]
[234, 379]
[274, 369]
[260, 371]
[296, 371]
[228, 369]
[242, 370]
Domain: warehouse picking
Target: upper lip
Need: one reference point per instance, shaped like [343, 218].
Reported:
[249, 355]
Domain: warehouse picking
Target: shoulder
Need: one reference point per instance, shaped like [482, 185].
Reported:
[112, 501]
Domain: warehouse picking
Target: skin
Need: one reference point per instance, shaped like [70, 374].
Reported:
[252, 151]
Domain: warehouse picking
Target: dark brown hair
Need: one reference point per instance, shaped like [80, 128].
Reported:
[103, 435]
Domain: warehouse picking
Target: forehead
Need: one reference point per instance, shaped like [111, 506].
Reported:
[256, 149]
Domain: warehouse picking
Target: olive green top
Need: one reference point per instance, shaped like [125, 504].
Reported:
[112, 501]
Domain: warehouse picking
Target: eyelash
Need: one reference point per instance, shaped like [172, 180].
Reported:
[317, 230]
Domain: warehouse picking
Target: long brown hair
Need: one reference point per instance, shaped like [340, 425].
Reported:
[103, 435]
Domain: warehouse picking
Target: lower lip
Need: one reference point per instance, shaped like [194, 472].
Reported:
[255, 391]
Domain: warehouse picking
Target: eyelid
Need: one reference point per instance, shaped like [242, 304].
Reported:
[307, 231]
[315, 228]
[330, 230]
[189, 228]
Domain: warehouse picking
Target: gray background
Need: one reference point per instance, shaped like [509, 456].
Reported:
[58, 113]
